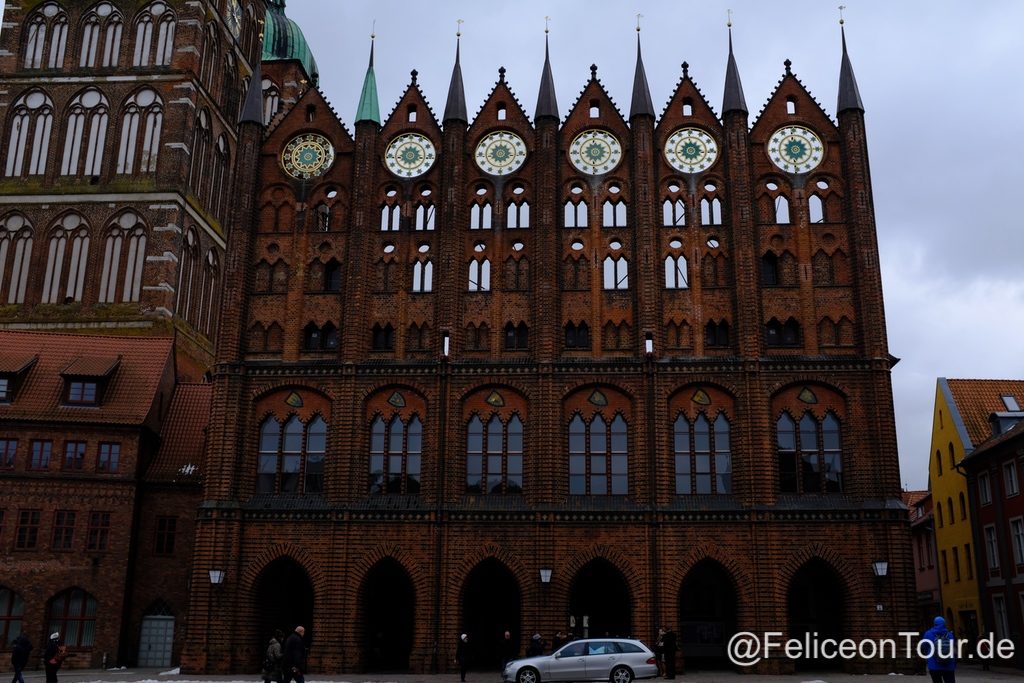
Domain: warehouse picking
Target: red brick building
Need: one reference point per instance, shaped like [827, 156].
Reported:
[926, 576]
[581, 370]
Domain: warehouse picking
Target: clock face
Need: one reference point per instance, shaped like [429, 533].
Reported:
[691, 150]
[795, 149]
[500, 153]
[234, 17]
[595, 152]
[307, 156]
[410, 155]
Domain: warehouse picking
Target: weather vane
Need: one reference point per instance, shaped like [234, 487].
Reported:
[729, 22]
[638, 18]
[546, 20]
[373, 30]
[458, 27]
[841, 8]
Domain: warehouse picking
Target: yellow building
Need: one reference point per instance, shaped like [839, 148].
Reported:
[960, 424]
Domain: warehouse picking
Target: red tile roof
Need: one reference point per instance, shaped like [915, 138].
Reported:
[91, 366]
[12, 363]
[976, 399]
[130, 392]
[183, 436]
[912, 498]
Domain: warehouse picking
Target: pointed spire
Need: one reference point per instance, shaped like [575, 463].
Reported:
[733, 99]
[546, 103]
[849, 94]
[252, 108]
[368, 109]
[642, 104]
[455, 109]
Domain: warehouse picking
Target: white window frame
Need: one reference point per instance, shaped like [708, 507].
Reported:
[1002, 627]
[991, 547]
[676, 272]
[480, 275]
[1010, 482]
[984, 489]
[616, 273]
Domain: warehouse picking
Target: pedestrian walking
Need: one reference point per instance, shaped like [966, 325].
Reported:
[669, 646]
[942, 662]
[462, 655]
[659, 652]
[20, 650]
[295, 656]
[53, 657]
[272, 670]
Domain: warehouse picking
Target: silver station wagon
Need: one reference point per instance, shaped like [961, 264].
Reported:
[618, 660]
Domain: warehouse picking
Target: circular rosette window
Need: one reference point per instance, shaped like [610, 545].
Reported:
[410, 155]
[795, 149]
[595, 152]
[307, 156]
[500, 153]
[691, 150]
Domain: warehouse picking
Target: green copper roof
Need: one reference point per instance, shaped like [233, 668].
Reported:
[368, 109]
[283, 39]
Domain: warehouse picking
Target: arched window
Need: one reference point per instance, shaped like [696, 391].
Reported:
[613, 213]
[949, 511]
[396, 451]
[494, 464]
[46, 37]
[382, 337]
[140, 132]
[938, 462]
[952, 456]
[15, 247]
[12, 610]
[703, 457]
[101, 35]
[675, 272]
[211, 288]
[477, 337]
[200, 157]
[517, 274]
[616, 273]
[781, 209]
[423, 276]
[28, 143]
[517, 337]
[816, 209]
[480, 216]
[186, 274]
[480, 275]
[291, 460]
[809, 459]
[62, 267]
[517, 214]
[673, 213]
[73, 615]
[425, 216]
[963, 507]
[576, 214]
[782, 334]
[577, 336]
[124, 254]
[151, 49]
[716, 333]
[219, 188]
[87, 117]
[598, 456]
[711, 211]
[271, 101]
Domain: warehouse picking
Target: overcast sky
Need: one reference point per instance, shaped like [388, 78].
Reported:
[941, 85]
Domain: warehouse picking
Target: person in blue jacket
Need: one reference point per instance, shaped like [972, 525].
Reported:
[942, 662]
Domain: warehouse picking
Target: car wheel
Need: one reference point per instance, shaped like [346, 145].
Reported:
[527, 675]
[621, 674]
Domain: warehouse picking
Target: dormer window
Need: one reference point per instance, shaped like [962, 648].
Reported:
[86, 379]
[13, 370]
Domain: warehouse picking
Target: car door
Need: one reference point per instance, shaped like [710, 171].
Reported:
[569, 663]
[602, 655]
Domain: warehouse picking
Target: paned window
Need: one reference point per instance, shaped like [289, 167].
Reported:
[101, 36]
[40, 456]
[63, 530]
[28, 143]
[991, 549]
[1010, 483]
[15, 245]
[396, 452]
[8, 449]
[108, 458]
[46, 38]
[12, 611]
[809, 458]
[703, 456]
[598, 456]
[154, 36]
[74, 455]
[88, 118]
[166, 534]
[82, 392]
[141, 123]
[97, 536]
[66, 262]
[494, 455]
[73, 615]
[124, 255]
[26, 535]
[291, 459]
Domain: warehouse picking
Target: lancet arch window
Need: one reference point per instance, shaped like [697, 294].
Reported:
[72, 613]
[517, 337]
[142, 121]
[46, 37]
[575, 213]
[390, 211]
[481, 209]
[124, 255]
[423, 276]
[809, 457]
[480, 275]
[494, 455]
[28, 141]
[211, 293]
[291, 455]
[598, 455]
[613, 209]
[478, 337]
[782, 333]
[517, 211]
[320, 337]
[16, 250]
[271, 100]
[201, 145]
[517, 274]
[67, 258]
[703, 454]
[711, 205]
[577, 336]
[396, 454]
[616, 273]
[154, 35]
[102, 27]
[85, 139]
[676, 273]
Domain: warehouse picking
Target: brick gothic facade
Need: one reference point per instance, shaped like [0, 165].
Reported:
[448, 400]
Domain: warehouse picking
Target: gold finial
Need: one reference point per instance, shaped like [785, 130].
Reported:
[638, 18]
[373, 30]
[729, 22]
[458, 28]
[546, 20]
[841, 8]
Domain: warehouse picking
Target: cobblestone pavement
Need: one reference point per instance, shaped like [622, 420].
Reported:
[966, 674]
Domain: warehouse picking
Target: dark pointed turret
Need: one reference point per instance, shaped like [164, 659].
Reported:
[642, 104]
[546, 102]
[252, 109]
[849, 94]
[368, 109]
[455, 109]
[733, 99]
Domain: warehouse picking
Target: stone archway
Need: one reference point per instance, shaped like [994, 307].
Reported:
[599, 601]
[388, 602]
[707, 615]
[491, 605]
[816, 604]
[284, 599]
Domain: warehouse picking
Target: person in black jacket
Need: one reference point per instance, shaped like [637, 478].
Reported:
[53, 657]
[669, 646]
[295, 656]
[462, 655]
[20, 650]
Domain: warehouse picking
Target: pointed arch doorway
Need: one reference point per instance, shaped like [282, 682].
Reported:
[599, 602]
[707, 616]
[388, 607]
[284, 599]
[491, 605]
[816, 604]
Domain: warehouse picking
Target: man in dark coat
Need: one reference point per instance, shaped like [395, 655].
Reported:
[669, 646]
[462, 655]
[53, 657]
[295, 656]
[21, 648]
